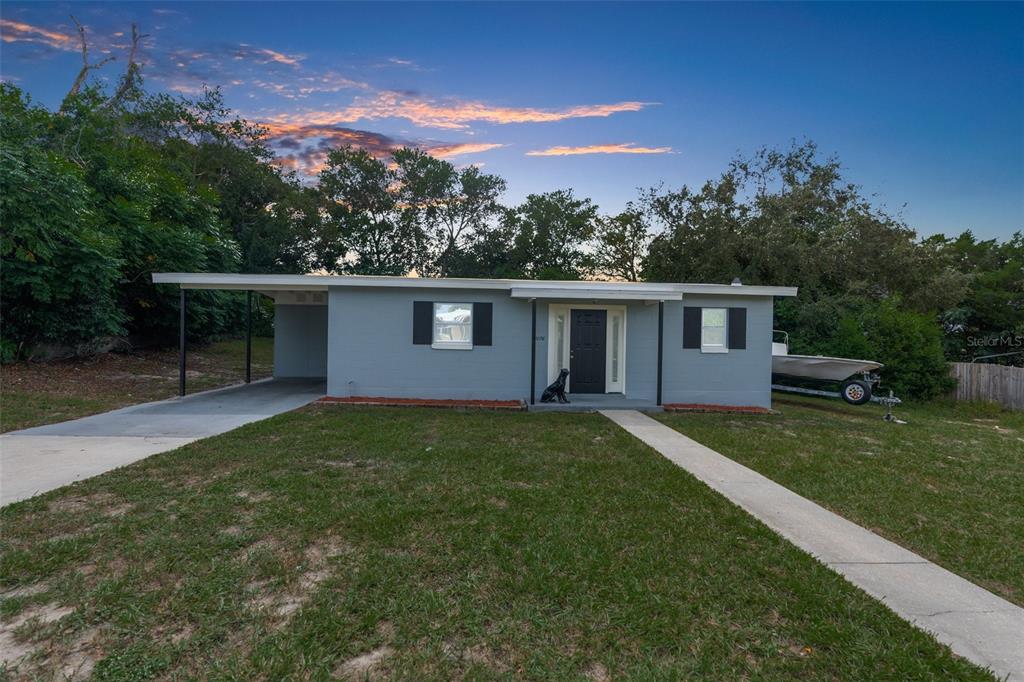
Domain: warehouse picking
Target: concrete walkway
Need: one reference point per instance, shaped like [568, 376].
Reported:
[973, 622]
[42, 458]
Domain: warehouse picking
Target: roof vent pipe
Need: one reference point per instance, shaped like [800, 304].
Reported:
[736, 282]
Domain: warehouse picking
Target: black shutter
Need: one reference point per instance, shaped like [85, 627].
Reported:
[482, 316]
[423, 322]
[691, 327]
[737, 328]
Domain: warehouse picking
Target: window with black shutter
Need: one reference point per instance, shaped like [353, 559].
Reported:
[737, 328]
[452, 325]
[423, 322]
[691, 327]
[482, 323]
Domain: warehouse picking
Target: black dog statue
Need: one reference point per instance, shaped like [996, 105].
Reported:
[556, 389]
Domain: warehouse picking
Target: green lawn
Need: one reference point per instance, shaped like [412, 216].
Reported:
[948, 485]
[43, 393]
[429, 544]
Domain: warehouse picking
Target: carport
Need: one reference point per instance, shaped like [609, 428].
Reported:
[300, 325]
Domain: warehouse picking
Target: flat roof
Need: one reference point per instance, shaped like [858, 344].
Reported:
[518, 288]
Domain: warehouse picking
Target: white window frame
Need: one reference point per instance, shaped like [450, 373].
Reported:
[446, 344]
[714, 347]
[566, 308]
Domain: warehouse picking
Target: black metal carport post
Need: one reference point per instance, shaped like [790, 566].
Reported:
[533, 351]
[248, 336]
[181, 344]
[661, 330]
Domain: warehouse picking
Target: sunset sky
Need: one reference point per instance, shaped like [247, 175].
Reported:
[924, 104]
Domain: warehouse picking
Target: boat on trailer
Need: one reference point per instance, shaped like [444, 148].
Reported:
[858, 378]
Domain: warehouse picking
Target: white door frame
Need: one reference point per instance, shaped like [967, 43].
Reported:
[566, 308]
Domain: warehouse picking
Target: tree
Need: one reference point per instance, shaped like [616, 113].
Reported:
[791, 218]
[453, 206]
[989, 319]
[620, 244]
[361, 198]
[57, 284]
[141, 204]
[491, 253]
[551, 231]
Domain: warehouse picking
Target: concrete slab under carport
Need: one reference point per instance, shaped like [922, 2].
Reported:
[976, 624]
[42, 458]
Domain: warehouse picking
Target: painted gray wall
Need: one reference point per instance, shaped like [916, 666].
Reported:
[371, 352]
[739, 377]
[300, 341]
[642, 351]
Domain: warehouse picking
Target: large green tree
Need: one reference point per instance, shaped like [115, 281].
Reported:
[790, 217]
[454, 207]
[552, 231]
[362, 199]
[59, 271]
[620, 244]
[130, 198]
[989, 320]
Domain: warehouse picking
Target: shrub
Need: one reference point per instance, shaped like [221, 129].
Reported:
[910, 346]
[908, 343]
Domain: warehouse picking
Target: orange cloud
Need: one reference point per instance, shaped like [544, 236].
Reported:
[19, 32]
[446, 151]
[621, 148]
[265, 56]
[303, 147]
[452, 114]
[279, 57]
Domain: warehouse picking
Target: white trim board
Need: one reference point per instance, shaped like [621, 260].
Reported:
[517, 288]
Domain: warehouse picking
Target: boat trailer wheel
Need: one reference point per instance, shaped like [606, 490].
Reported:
[856, 392]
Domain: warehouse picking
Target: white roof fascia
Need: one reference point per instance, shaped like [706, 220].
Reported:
[220, 280]
[604, 293]
[518, 288]
[736, 290]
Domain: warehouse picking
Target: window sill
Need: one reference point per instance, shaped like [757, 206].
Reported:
[452, 346]
[714, 350]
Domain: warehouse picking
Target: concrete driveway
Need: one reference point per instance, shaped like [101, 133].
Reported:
[42, 458]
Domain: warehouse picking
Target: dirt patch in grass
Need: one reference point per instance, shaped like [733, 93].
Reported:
[312, 568]
[24, 591]
[79, 504]
[13, 646]
[368, 666]
[253, 497]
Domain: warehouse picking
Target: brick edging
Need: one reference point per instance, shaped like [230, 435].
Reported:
[502, 405]
[729, 409]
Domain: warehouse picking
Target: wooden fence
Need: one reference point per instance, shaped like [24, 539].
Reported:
[982, 381]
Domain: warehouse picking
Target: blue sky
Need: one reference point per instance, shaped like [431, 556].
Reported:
[923, 103]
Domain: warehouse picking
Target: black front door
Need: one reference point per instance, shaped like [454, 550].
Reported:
[587, 351]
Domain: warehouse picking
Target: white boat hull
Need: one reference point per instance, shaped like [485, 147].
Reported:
[822, 368]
